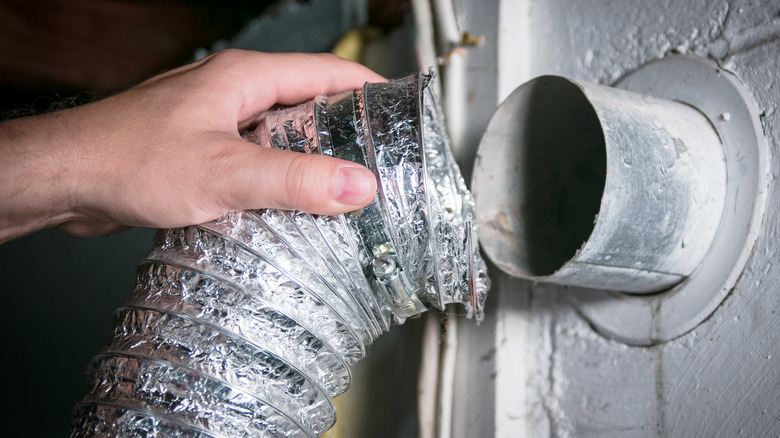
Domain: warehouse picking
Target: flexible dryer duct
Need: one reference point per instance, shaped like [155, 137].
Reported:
[247, 325]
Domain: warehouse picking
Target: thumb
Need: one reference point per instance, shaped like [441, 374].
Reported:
[273, 178]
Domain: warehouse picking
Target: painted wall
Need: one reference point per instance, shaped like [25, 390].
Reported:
[536, 367]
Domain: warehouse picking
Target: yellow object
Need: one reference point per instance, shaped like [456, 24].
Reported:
[353, 43]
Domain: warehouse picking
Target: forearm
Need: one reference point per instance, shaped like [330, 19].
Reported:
[35, 181]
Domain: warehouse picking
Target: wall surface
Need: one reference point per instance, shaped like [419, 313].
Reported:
[544, 370]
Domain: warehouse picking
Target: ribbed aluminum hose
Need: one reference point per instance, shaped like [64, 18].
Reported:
[247, 325]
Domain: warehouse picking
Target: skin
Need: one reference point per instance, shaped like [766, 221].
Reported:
[168, 152]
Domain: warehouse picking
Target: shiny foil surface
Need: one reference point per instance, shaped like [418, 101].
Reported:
[246, 326]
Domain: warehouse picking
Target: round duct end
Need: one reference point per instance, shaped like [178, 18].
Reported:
[586, 185]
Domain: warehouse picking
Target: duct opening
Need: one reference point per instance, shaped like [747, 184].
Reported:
[562, 162]
[591, 186]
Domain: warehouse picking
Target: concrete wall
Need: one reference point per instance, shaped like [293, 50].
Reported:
[544, 370]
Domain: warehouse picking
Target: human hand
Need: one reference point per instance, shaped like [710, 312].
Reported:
[168, 152]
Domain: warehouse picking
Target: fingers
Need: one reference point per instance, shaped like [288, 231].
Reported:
[298, 77]
[270, 178]
[266, 79]
[287, 180]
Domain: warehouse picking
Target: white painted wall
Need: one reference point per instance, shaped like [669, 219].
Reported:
[536, 367]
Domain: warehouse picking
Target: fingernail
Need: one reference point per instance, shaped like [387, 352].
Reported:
[354, 186]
